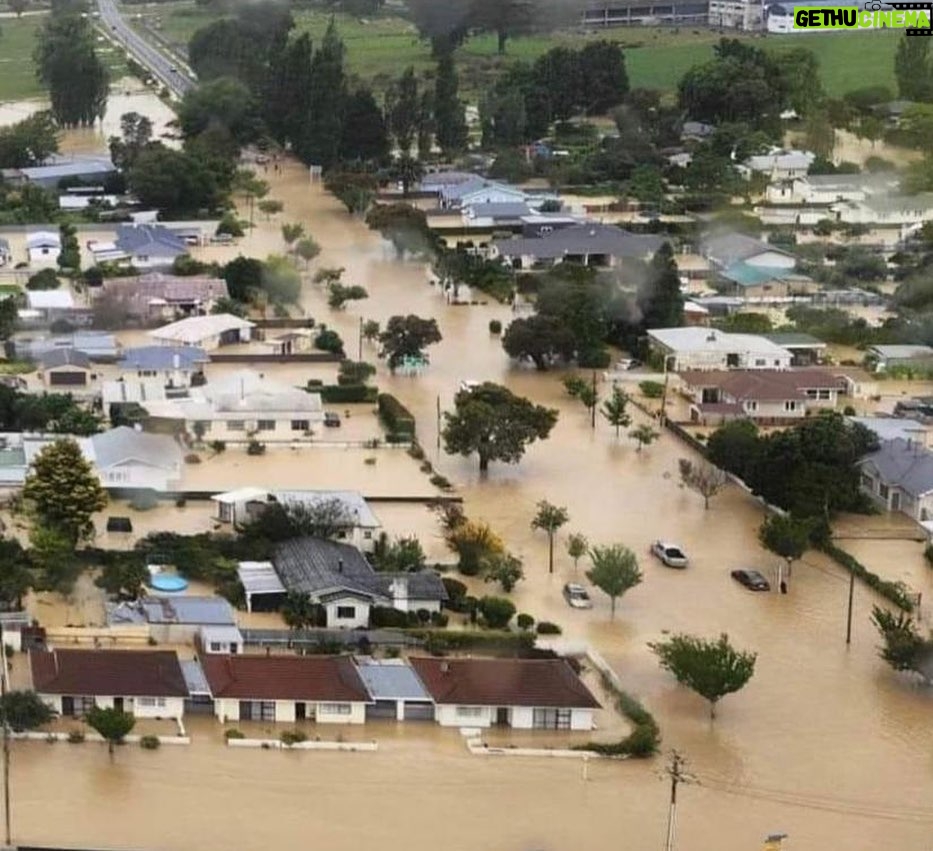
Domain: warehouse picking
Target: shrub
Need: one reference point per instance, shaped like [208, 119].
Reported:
[229, 224]
[336, 393]
[495, 326]
[45, 279]
[329, 341]
[896, 592]
[651, 389]
[440, 482]
[315, 382]
[848, 411]
[75, 737]
[525, 621]
[218, 446]
[416, 452]
[395, 416]
[439, 619]
[456, 594]
[548, 628]
[256, 448]
[386, 616]
[149, 743]
[292, 737]
[233, 734]
[181, 502]
[594, 359]
[192, 458]
[496, 611]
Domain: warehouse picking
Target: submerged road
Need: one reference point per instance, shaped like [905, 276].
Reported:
[163, 68]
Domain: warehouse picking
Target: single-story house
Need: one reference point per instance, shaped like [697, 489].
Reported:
[779, 164]
[821, 190]
[729, 248]
[99, 346]
[149, 246]
[395, 690]
[892, 428]
[173, 365]
[174, 620]
[43, 248]
[747, 281]
[337, 577]
[899, 477]
[770, 397]
[286, 689]
[139, 390]
[695, 314]
[127, 458]
[148, 683]
[205, 332]
[527, 694]
[348, 510]
[51, 304]
[220, 639]
[805, 349]
[590, 244]
[67, 368]
[157, 296]
[902, 211]
[707, 348]
[58, 168]
[291, 342]
[887, 357]
[696, 131]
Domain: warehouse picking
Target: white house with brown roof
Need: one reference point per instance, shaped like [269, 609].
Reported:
[708, 348]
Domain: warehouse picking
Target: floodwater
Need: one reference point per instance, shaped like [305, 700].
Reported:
[825, 744]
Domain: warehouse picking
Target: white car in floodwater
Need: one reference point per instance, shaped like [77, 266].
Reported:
[470, 385]
[670, 554]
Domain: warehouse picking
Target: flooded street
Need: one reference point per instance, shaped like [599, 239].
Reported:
[825, 744]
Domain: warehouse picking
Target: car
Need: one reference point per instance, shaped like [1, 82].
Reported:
[469, 385]
[331, 419]
[670, 554]
[576, 596]
[751, 579]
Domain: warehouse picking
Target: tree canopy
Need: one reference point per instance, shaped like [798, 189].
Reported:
[549, 518]
[614, 571]
[407, 336]
[113, 725]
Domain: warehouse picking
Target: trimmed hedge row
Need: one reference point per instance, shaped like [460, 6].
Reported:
[642, 742]
[488, 641]
[395, 416]
[332, 393]
[896, 592]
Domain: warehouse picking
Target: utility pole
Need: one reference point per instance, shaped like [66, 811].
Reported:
[8, 831]
[438, 423]
[663, 416]
[595, 403]
[359, 356]
[849, 615]
[675, 771]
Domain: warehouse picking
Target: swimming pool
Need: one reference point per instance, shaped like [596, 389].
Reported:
[168, 582]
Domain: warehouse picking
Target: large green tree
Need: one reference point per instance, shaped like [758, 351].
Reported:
[712, 669]
[660, 298]
[24, 710]
[449, 116]
[904, 648]
[285, 105]
[225, 102]
[786, 536]
[614, 571]
[177, 181]
[402, 110]
[540, 339]
[407, 336]
[549, 519]
[364, 136]
[28, 142]
[63, 490]
[603, 79]
[326, 102]
[913, 68]
[112, 725]
[494, 423]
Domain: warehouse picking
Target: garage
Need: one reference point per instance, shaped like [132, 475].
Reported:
[67, 378]
[396, 690]
[419, 711]
[382, 709]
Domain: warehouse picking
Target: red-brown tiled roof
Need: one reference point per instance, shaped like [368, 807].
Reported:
[118, 673]
[314, 678]
[763, 385]
[504, 682]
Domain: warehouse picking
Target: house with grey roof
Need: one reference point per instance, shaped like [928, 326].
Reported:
[589, 244]
[99, 346]
[337, 577]
[726, 249]
[149, 246]
[43, 248]
[65, 368]
[175, 366]
[895, 210]
[898, 476]
[779, 164]
[805, 349]
[157, 296]
[58, 168]
[891, 428]
[180, 619]
[396, 690]
[888, 357]
[127, 459]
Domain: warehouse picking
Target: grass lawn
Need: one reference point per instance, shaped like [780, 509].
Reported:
[17, 72]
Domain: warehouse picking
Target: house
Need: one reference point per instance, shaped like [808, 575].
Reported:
[142, 391]
[149, 246]
[906, 356]
[6, 256]
[72, 168]
[696, 131]
[286, 689]
[43, 248]
[174, 366]
[898, 476]
[459, 193]
[51, 305]
[769, 397]
[736, 14]
[494, 215]
[906, 212]
[125, 458]
[337, 577]
[706, 348]
[727, 249]
[893, 428]
[591, 244]
[805, 349]
[779, 164]
[613, 13]
[99, 346]
[240, 407]
[822, 190]
[174, 620]
[205, 332]
[694, 273]
[348, 510]
[223, 639]
[543, 224]
[147, 683]
[526, 694]
[292, 342]
[695, 314]
[65, 368]
[395, 690]
[158, 297]
[747, 281]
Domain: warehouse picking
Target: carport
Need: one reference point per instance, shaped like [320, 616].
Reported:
[396, 690]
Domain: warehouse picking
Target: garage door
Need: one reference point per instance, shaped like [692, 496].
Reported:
[58, 379]
[381, 709]
[419, 711]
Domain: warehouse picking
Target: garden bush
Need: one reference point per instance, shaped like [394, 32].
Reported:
[256, 448]
[548, 628]
[896, 592]
[75, 737]
[292, 737]
[456, 594]
[651, 389]
[495, 326]
[234, 734]
[337, 393]
[395, 416]
[525, 621]
[385, 616]
[149, 743]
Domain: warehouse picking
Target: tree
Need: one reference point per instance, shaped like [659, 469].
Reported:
[614, 571]
[474, 542]
[503, 568]
[177, 181]
[52, 554]
[18, 6]
[298, 611]
[291, 233]
[285, 101]
[112, 725]
[364, 137]
[354, 372]
[603, 80]
[496, 611]
[280, 280]
[28, 142]
[549, 519]
[904, 648]
[541, 339]
[326, 102]
[914, 69]
[24, 710]
[356, 190]
[124, 578]
[64, 491]
[270, 207]
[407, 336]
[496, 424]
[735, 446]
[403, 555]
[506, 18]
[402, 111]
[614, 409]
[307, 249]
[44, 279]
[702, 477]
[577, 546]
[449, 117]
[370, 330]
[404, 226]
[646, 184]
[785, 536]
[660, 299]
[15, 576]
[340, 295]
[69, 258]
[243, 276]
[222, 102]
[712, 669]
[644, 435]
[407, 171]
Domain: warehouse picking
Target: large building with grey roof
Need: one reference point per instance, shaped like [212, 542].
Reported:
[898, 476]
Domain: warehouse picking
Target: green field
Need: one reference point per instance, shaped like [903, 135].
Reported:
[656, 57]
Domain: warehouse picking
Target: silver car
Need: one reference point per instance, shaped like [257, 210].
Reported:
[576, 596]
[670, 554]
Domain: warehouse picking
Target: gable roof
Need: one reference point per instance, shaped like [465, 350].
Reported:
[64, 357]
[503, 682]
[902, 352]
[248, 390]
[311, 678]
[745, 275]
[586, 238]
[391, 679]
[795, 340]
[196, 328]
[316, 566]
[763, 385]
[120, 673]
[50, 299]
[159, 288]
[187, 358]
[729, 248]
[694, 339]
[149, 240]
[41, 238]
[127, 444]
[904, 464]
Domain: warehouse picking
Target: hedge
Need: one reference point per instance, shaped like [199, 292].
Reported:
[642, 742]
[896, 592]
[488, 641]
[333, 393]
[395, 416]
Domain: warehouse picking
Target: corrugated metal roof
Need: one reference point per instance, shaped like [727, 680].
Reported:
[391, 679]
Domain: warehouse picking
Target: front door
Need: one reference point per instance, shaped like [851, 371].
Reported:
[301, 711]
[68, 706]
[896, 501]
[502, 716]
[246, 710]
[118, 704]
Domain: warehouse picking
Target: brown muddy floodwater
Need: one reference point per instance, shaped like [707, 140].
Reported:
[825, 744]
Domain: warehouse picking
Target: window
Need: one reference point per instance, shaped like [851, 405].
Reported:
[346, 612]
[551, 719]
[266, 425]
[202, 425]
[811, 394]
[760, 362]
[825, 394]
[334, 708]
[116, 476]
[147, 373]
[150, 701]
[300, 425]
[470, 711]
[367, 536]
[883, 491]
[215, 647]
[84, 704]
[236, 425]
[751, 406]
[790, 407]
[868, 483]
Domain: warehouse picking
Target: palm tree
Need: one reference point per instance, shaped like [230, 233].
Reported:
[550, 518]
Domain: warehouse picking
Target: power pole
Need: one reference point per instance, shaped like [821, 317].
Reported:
[359, 356]
[675, 771]
[595, 403]
[849, 615]
[8, 831]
